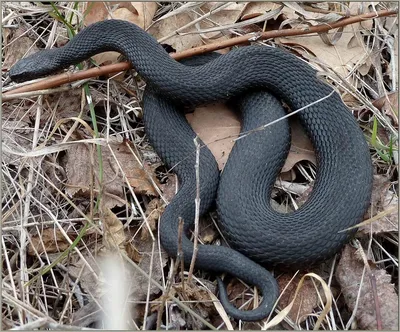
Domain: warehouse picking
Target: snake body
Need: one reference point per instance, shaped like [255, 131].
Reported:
[257, 234]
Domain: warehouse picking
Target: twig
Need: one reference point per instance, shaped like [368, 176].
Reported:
[45, 323]
[164, 298]
[353, 315]
[36, 324]
[24, 306]
[372, 280]
[8, 265]
[35, 93]
[179, 256]
[260, 128]
[246, 39]
[174, 270]
[146, 312]
[197, 208]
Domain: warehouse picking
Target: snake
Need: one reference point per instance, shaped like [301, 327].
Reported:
[256, 79]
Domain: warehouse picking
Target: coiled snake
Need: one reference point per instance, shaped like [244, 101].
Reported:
[254, 230]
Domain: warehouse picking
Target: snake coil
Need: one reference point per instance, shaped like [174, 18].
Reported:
[258, 235]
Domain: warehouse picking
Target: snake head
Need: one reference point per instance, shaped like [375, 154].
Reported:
[34, 66]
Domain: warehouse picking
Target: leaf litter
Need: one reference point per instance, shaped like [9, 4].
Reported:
[358, 292]
[120, 169]
[131, 186]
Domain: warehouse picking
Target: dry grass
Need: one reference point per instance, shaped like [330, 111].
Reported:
[50, 276]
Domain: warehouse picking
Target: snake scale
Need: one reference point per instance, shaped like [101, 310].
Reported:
[258, 235]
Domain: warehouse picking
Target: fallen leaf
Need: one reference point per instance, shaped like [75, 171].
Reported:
[349, 274]
[282, 208]
[217, 126]
[89, 314]
[225, 17]
[382, 199]
[239, 295]
[20, 46]
[153, 212]
[139, 13]
[176, 30]
[63, 105]
[195, 292]
[389, 105]
[258, 8]
[164, 30]
[78, 170]
[169, 189]
[147, 254]
[50, 240]
[207, 231]
[17, 136]
[86, 269]
[198, 297]
[114, 237]
[305, 195]
[176, 317]
[95, 12]
[306, 300]
[152, 261]
[286, 310]
[301, 147]
[341, 57]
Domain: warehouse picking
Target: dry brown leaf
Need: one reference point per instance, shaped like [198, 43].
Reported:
[137, 284]
[78, 170]
[16, 136]
[217, 126]
[21, 46]
[207, 231]
[199, 298]
[114, 237]
[389, 105]
[63, 105]
[349, 273]
[168, 26]
[153, 213]
[195, 292]
[158, 258]
[88, 280]
[305, 195]
[165, 29]
[258, 8]
[52, 239]
[282, 208]
[169, 189]
[239, 295]
[87, 315]
[228, 15]
[382, 199]
[306, 300]
[95, 12]
[139, 13]
[341, 57]
[300, 148]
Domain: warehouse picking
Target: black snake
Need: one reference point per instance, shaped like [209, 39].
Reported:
[252, 227]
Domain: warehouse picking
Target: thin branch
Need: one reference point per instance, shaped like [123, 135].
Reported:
[374, 290]
[197, 208]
